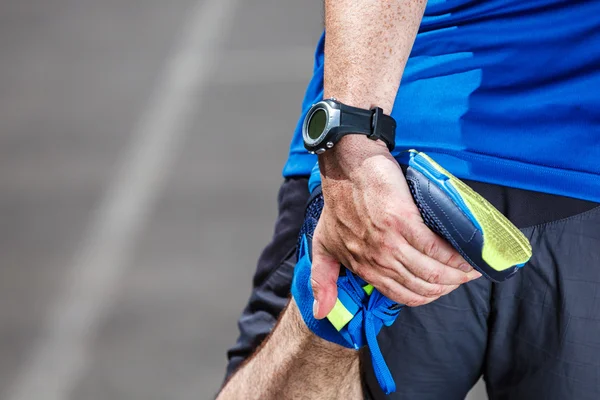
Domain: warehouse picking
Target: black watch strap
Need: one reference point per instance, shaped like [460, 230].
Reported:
[374, 123]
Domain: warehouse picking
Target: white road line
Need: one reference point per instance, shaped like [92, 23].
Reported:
[59, 358]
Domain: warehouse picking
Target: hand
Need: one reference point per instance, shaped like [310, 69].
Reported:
[371, 225]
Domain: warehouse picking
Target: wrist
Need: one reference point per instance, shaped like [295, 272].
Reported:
[353, 94]
[351, 156]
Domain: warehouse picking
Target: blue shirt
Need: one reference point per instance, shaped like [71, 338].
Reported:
[499, 91]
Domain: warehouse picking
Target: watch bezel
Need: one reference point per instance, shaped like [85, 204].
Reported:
[332, 113]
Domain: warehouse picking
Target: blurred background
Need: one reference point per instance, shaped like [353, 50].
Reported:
[141, 147]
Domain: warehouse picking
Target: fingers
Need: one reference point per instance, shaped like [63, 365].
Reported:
[408, 276]
[324, 275]
[397, 292]
[414, 269]
[431, 270]
[389, 267]
[430, 244]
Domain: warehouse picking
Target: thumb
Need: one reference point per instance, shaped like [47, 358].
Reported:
[324, 275]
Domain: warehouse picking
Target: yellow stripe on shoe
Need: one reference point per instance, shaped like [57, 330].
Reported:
[339, 316]
[504, 245]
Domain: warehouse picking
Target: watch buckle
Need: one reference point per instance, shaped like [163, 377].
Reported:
[375, 123]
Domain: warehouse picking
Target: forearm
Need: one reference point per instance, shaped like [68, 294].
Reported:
[296, 364]
[366, 48]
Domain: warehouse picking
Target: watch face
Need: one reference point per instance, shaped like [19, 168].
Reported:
[317, 123]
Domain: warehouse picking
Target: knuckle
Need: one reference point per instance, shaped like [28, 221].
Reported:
[319, 283]
[408, 221]
[433, 277]
[431, 247]
[390, 220]
[436, 291]
[359, 269]
[387, 244]
[315, 283]
[371, 258]
[354, 248]
[401, 251]
[380, 259]
[316, 287]
[455, 259]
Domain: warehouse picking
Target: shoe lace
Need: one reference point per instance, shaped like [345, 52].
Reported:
[376, 310]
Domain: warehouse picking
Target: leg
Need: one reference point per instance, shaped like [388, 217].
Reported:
[273, 277]
[545, 324]
[436, 351]
[440, 350]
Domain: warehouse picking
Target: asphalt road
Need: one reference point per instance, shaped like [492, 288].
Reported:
[141, 144]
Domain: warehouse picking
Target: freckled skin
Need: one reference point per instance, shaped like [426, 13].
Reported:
[363, 62]
[369, 223]
[369, 213]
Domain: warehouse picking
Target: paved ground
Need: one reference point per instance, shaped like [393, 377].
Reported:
[141, 143]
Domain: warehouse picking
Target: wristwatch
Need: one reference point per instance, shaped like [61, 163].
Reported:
[329, 120]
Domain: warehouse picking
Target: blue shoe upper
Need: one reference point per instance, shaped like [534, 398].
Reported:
[361, 311]
[366, 308]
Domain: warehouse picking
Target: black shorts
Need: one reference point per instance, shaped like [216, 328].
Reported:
[535, 336]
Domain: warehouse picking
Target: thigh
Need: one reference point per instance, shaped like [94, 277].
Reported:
[273, 276]
[440, 350]
[545, 323]
[436, 351]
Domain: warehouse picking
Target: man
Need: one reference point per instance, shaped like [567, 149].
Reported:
[505, 95]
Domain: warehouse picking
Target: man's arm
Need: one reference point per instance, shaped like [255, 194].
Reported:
[367, 45]
[293, 363]
[370, 222]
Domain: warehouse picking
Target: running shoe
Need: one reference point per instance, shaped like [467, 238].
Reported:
[478, 231]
